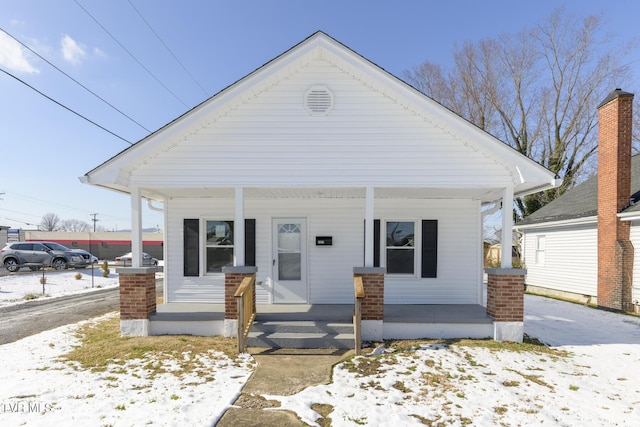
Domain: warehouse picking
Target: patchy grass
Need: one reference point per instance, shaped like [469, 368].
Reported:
[323, 410]
[529, 345]
[364, 367]
[399, 385]
[102, 345]
[500, 410]
[533, 378]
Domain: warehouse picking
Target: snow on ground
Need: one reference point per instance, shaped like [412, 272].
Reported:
[597, 382]
[22, 287]
[40, 390]
[594, 379]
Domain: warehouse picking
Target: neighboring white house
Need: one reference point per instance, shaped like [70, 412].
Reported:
[318, 162]
[560, 241]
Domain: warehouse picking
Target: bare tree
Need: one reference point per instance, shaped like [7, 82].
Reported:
[536, 90]
[50, 222]
[75, 225]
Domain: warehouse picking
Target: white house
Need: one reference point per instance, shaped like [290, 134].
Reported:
[581, 245]
[315, 163]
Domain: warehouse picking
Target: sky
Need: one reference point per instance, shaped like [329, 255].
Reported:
[595, 383]
[146, 62]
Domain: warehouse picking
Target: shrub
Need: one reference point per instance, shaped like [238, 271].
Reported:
[105, 269]
[78, 276]
[43, 280]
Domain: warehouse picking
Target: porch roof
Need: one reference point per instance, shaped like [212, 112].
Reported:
[484, 194]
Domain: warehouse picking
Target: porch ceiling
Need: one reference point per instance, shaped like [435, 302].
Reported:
[484, 194]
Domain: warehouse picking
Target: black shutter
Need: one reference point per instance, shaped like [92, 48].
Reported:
[191, 247]
[429, 248]
[250, 242]
[376, 243]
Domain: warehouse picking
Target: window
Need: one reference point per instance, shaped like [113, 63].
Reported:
[426, 261]
[540, 249]
[400, 247]
[219, 245]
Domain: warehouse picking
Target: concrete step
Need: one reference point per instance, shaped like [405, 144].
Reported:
[301, 334]
[302, 326]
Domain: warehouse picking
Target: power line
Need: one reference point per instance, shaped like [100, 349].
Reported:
[74, 80]
[43, 202]
[130, 54]
[167, 47]
[65, 107]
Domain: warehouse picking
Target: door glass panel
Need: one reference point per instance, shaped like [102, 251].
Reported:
[289, 252]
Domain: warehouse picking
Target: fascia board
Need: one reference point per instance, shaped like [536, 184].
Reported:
[631, 216]
[553, 224]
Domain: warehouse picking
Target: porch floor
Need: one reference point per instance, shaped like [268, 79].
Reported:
[337, 313]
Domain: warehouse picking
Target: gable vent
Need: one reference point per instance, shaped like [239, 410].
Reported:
[318, 101]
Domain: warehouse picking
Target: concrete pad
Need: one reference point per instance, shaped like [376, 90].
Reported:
[304, 368]
[284, 372]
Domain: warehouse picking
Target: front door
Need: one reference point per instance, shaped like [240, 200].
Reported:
[289, 261]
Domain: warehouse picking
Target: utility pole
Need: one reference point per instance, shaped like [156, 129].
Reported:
[94, 215]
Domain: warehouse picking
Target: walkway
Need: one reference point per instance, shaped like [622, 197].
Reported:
[280, 372]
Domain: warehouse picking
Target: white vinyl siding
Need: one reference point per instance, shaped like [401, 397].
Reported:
[459, 252]
[570, 258]
[284, 141]
[330, 268]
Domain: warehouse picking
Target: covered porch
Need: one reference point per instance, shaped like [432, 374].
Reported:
[321, 325]
[381, 318]
[324, 325]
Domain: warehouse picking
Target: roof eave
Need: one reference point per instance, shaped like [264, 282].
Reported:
[591, 219]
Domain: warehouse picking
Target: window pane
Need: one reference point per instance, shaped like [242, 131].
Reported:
[400, 261]
[289, 266]
[218, 258]
[220, 233]
[400, 234]
[289, 252]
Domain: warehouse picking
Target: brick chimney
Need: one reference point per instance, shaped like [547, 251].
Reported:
[615, 251]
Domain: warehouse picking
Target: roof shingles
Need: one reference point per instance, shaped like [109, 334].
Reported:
[582, 200]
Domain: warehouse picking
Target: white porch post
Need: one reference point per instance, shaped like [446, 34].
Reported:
[136, 228]
[507, 227]
[368, 233]
[238, 238]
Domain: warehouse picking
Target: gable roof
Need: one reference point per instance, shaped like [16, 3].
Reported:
[581, 202]
[119, 172]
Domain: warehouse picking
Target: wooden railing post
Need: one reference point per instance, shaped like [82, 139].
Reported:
[358, 288]
[245, 297]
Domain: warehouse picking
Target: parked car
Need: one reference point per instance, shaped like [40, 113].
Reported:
[39, 254]
[147, 259]
[88, 257]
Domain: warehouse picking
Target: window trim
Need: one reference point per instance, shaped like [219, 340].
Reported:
[194, 240]
[540, 250]
[416, 248]
[205, 245]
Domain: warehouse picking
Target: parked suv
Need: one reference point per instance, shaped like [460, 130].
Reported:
[36, 254]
